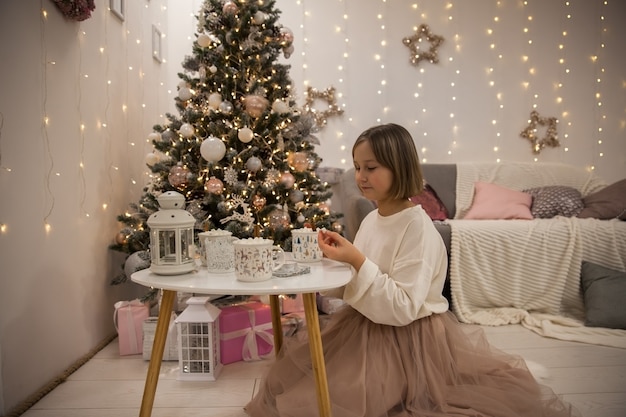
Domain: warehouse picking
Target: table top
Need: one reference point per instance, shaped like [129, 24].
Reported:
[324, 275]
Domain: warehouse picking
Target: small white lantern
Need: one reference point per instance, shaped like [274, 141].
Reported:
[198, 341]
[171, 236]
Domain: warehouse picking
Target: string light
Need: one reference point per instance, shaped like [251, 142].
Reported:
[49, 201]
[600, 116]
[125, 113]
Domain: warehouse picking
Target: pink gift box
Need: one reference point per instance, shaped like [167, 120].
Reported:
[246, 332]
[128, 319]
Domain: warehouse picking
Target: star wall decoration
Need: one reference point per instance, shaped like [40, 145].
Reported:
[530, 133]
[327, 95]
[415, 42]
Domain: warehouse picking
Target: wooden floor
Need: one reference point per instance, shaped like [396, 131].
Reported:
[593, 378]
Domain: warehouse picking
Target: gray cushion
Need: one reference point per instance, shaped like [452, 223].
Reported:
[555, 200]
[604, 292]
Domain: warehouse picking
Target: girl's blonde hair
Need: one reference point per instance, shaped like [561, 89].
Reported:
[394, 149]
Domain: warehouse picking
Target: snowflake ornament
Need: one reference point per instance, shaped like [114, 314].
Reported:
[272, 178]
[230, 176]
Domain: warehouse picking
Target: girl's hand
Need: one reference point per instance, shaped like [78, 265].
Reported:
[336, 247]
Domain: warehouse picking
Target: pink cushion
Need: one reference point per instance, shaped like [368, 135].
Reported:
[492, 201]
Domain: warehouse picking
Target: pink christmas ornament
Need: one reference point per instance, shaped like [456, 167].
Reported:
[178, 176]
[255, 105]
[287, 179]
[230, 8]
[214, 186]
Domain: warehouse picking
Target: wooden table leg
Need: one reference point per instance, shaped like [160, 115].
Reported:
[317, 354]
[160, 334]
[277, 325]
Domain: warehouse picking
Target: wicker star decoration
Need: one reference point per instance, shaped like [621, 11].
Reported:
[414, 43]
[530, 133]
[327, 95]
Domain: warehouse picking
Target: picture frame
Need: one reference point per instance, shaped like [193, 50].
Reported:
[157, 51]
[117, 7]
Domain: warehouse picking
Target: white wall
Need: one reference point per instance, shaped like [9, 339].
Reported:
[56, 303]
[474, 103]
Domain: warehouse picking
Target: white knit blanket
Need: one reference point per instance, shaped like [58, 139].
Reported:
[528, 272]
[520, 176]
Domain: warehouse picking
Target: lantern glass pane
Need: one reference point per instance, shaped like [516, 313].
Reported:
[213, 341]
[186, 242]
[167, 246]
[154, 252]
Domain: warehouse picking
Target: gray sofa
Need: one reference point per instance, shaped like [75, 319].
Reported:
[441, 177]
[454, 184]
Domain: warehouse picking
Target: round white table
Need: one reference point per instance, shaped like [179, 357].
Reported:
[324, 275]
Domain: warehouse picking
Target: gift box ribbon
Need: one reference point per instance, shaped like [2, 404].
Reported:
[132, 331]
[250, 350]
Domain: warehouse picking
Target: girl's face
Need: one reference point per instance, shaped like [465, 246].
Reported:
[373, 179]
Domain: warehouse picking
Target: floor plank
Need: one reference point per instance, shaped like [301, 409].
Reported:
[592, 378]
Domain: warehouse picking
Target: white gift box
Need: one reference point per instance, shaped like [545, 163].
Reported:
[170, 352]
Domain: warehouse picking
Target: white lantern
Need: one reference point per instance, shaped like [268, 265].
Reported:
[171, 236]
[198, 341]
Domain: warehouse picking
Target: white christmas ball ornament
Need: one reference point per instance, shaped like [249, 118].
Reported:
[152, 159]
[280, 107]
[186, 130]
[184, 93]
[254, 164]
[154, 136]
[204, 40]
[259, 18]
[245, 134]
[215, 99]
[226, 107]
[212, 149]
[213, 69]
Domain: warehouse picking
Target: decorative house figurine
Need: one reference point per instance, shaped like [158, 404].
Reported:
[198, 341]
[171, 236]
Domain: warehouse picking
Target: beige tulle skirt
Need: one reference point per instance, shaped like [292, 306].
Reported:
[433, 367]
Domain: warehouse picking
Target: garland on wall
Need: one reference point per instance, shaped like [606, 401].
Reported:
[415, 41]
[78, 10]
[530, 132]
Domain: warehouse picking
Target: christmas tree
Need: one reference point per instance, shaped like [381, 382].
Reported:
[239, 150]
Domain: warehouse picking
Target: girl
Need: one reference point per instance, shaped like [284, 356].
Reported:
[395, 349]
